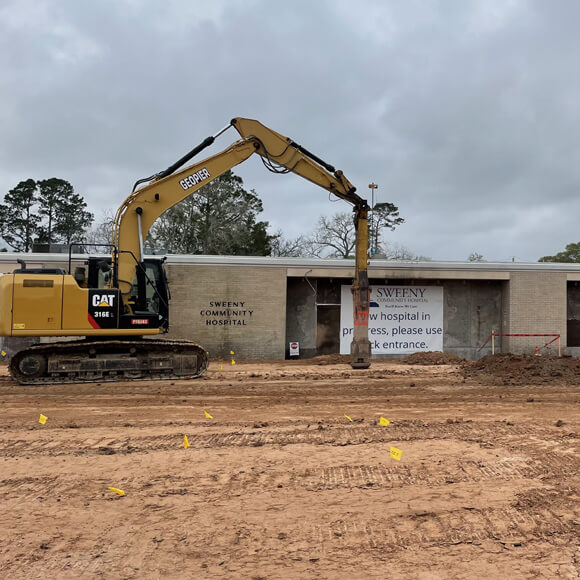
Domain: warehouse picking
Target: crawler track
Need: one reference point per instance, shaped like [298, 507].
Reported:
[87, 361]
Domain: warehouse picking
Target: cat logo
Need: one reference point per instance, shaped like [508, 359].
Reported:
[103, 300]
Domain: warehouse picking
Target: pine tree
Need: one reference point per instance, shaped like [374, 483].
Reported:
[47, 211]
[220, 218]
[65, 212]
[19, 221]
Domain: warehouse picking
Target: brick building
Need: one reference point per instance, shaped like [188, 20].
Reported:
[256, 306]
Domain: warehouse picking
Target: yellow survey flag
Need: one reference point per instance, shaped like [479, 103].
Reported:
[42, 419]
[221, 367]
[233, 362]
[383, 421]
[117, 491]
[232, 352]
[396, 453]
[185, 442]
[348, 418]
[3, 353]
[207, 415]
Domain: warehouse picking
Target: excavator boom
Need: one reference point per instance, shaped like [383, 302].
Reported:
[280, 154]
[126, 298]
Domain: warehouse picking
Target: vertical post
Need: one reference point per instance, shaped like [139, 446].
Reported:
[559, 347]
[493, 342]
[360, 347]
[373, 250]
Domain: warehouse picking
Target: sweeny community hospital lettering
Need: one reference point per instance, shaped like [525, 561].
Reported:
[407, 295]
[226, 313]
[400, 292]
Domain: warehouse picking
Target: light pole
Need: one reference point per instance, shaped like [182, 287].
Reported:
[372, 187]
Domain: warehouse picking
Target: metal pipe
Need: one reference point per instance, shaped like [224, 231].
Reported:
[203, 145]
[221, 131]
[139, 211]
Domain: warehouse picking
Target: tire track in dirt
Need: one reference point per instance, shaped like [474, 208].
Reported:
[508, 525]
[365, 476]
[26, 488]
[492, 433]
[344, 476]
[533, 517]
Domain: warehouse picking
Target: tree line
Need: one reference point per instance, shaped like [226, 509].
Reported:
[220, 218]
[43, 212]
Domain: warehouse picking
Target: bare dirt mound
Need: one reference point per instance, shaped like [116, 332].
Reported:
[331, 359]
[522, 369]
[321, 360]
[433, 358]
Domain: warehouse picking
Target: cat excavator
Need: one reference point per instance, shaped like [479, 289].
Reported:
[118, 305]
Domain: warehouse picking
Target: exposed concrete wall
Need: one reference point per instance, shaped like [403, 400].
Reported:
[301, 315]
[229, 308]
[472, 309]
[400, 271]
[537, 304]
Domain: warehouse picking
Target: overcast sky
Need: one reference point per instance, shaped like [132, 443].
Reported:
[465, 113]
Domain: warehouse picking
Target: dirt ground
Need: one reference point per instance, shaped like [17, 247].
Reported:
[281, 484]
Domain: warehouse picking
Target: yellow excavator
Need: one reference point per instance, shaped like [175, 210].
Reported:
[116, 306]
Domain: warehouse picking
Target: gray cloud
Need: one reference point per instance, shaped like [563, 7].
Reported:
[464, 113]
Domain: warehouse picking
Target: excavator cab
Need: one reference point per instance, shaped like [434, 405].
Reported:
[148, 303]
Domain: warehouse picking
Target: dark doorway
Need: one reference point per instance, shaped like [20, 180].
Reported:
[328, 329]
[573, 327]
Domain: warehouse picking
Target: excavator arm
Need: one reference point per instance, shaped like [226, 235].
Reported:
[280, 155]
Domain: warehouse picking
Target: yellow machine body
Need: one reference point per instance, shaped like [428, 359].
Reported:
[51, 305]
[134, 301]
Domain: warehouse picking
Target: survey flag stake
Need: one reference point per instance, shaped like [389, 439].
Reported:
[396, 453]
[207, 415]
[185, 442]
[348, 417]
[383, 421]
[42, 419]
[117, 491]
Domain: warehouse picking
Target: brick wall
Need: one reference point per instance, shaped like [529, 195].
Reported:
[229, 308]
[536, 304]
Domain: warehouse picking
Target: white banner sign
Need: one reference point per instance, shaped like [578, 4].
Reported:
[402, 319]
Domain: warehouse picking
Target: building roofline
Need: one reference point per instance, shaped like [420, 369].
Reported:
[317, 263]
